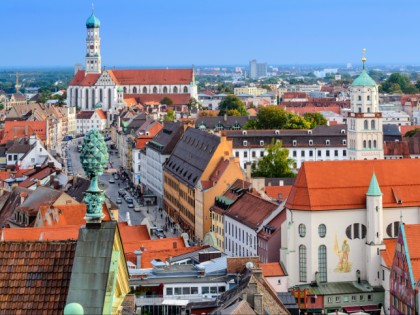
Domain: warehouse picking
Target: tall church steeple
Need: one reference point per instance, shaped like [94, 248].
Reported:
[93, 45]
[364, 123]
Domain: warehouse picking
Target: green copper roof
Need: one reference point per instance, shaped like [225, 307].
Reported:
[99, 105]
[374, 189]
[364, 79]
[120, 89]
[93, 21]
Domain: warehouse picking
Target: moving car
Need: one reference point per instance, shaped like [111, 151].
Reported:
[129, 200]
[119, 201]
[137, 209]
[130, 205]
[112, 181]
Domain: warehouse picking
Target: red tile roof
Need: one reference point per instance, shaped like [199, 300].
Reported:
[273, 269]
[152, 76]
[60, 233]
[331, 185]
[244, 210]
[86, 114]
[150, 99]
[405, 129]
[219, 170]
[20, 129]
[274, 192]
[311, 109]
[292, 95]
[388, 253]
[134, 233]
[73, 214]
[412, 235]
[81, 80]
[37, 277]
[101, 113]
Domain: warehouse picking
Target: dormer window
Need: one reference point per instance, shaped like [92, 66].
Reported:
[309, 132]
[277, 132]
[245, 143]
[262, 143]
[344, 142]
[311, 142]
[244, 132]
[344, 131]
[294, 143]
[327, 142]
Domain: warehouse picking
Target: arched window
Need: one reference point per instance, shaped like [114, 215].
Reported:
[175, 89]
[322, 230]
[368, 109]
[134, 90]
[302, 263]
[155, 90]
[125, 90]
[109, 98]
[165, 89]
[368, 98]
[359, 98]
[87, 99]
[185, 89]
[364, 144]
[101, 96]
[76, 103]
[322, 263]
[360, 109]
[93, 98]
[372, 124]
[366, 124]
[374, 144]
[302, 230]
[145, 90]
[370, 144]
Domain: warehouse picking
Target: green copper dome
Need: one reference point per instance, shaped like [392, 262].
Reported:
[73, 309]
[99, 105]
[93, 21]
[364, 79]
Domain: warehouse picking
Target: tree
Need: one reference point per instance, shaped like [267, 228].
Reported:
[275, 164]
[166, 101]
[233, 112]
[411, 132]
[192, 103]
[170, 116]
[398, 83]
[271, 117]
[231, 102]
[315, 119]
[297, 122]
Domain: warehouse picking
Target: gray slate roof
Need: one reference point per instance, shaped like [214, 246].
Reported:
[226, 121]
[91, 267]
[166, 139]
[191, 155]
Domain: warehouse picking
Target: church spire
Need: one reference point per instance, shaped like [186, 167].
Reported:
[374, 189]
[364, 57]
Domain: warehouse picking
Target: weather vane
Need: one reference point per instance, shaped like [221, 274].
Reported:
[364, 57]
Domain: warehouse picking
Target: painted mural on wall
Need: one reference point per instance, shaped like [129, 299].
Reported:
[343, 254]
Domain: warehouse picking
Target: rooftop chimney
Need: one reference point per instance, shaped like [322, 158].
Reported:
[174, 244]
[138, 254]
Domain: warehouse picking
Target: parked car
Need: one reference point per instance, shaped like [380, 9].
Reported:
[129, 200]
[137, 209]
[130, 205]
[122, 193]
[112, 181]
[119, 201]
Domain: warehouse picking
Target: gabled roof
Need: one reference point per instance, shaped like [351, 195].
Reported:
[278, 193]
[411, 236]
[388, 253]
[244, 210]
[150, 99]
[272, 269]
[80, 79]
[37, 276]
[335, 185]
[19, 129]
[191, 155]
[167, 138]
[101, 114]
[86, 114]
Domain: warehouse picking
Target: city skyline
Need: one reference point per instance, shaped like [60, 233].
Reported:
[164, 33]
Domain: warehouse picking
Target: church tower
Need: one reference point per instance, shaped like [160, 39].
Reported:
[93, 45]
[364, 123]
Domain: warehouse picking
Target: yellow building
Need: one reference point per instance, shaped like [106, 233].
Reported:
[251, 90]
[200, 168]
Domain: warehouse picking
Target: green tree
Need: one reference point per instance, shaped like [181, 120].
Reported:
[271, 117]
[398, 83]
[411, 132]
[170, 116]
[166, 101]
[233, 112]
[192, 103]
[315, 119]
[297, 122]
[275, 164]
[232, 102]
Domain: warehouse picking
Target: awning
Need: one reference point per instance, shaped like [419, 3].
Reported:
[352, 309]
[371, 308]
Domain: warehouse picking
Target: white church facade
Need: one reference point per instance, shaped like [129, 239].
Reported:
[95, 85]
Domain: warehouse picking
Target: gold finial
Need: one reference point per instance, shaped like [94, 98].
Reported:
[364, 57]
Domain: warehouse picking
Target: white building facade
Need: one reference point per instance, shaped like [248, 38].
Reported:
[88, 120]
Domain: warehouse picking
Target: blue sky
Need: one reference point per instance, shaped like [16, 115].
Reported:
[206, 32]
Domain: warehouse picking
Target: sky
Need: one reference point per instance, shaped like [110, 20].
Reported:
[147, 33]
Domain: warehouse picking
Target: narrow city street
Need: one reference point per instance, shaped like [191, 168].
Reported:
[155, 216]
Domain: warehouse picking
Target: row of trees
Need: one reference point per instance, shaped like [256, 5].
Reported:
[399, 84]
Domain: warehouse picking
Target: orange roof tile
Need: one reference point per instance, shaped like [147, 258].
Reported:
[61, 233]
[21, 129]
[141, 143]
[330, 185]
[412, 235]
[388, 253]
[101, 113]
[71, 214]
[134, 233]
[80, 79]
[273, 269]
[155, 99]
[165, 254]
[130, 101]
[274, 192]
[152, 76]
[405, 129]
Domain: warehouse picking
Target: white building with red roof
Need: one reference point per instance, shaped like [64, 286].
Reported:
[108, 87]
[90, 119]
